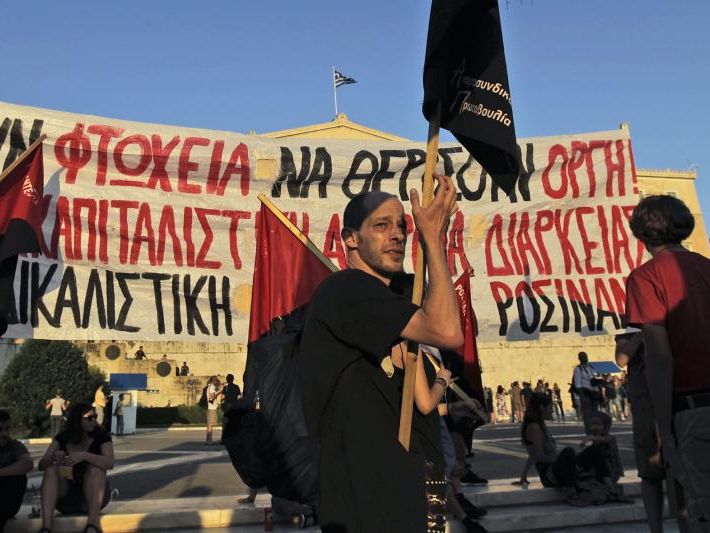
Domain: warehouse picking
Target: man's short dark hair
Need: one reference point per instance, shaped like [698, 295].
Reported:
[661, 219]
[4, 416]
[360, 207]
[230, 378]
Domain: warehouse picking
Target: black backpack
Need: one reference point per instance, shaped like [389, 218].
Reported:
[203, 399]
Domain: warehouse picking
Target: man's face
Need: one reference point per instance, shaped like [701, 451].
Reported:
[4, 433]
[382, 238]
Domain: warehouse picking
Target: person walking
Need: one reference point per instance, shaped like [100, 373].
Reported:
[56, 406]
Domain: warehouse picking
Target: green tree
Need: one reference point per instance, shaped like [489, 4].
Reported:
[34, 375]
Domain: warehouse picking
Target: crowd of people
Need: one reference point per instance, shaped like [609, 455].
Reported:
[351, 372]
[508, 405]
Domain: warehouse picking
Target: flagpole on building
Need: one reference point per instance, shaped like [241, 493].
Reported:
[413, 351]
[335, 92]
[22, 157]
[297, 232]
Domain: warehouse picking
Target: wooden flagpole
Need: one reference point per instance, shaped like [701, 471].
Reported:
[21, 157]
[297, 232]
[410, 363]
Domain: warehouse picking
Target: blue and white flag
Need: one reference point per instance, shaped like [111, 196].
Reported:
[340, 79]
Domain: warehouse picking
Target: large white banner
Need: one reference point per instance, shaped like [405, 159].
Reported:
[149, 229]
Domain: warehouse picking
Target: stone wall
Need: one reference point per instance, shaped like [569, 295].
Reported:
[204, 360]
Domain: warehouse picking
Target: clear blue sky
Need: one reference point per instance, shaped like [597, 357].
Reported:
[575, 66]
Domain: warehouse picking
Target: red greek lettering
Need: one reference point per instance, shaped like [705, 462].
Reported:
[143, 233]
[166, 227]
[185, 166]
[123, 206]
[333, 245]
[234, 218]
[105, 133]
[144, 159]
[161, 154]
[496, 231]
[556, 151]
[202, 261]
[78, 153]
[90, 205]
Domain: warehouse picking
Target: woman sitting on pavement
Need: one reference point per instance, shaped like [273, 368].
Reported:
[558, 469]
[75, 466]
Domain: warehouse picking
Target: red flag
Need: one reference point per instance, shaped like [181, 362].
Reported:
[21, 192]
[287, 271]
[469, 350]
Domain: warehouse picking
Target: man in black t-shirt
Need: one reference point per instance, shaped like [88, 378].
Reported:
[368, 482]
[15, 463]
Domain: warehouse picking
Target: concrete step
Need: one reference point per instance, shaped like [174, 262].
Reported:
[502, 492]
[510, 508]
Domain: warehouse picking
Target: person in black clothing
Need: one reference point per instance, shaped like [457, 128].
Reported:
[230, 394]
[368, 482]
[140, 354]
[15, 463]
[526, 393]
[184, 370]
[75, 466]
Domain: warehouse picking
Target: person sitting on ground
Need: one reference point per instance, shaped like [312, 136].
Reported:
[140, 354]
[600, 437]
[75, 466]
[15, 463]
[558, 469]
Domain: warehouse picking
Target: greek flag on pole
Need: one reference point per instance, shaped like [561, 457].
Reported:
[341, 79]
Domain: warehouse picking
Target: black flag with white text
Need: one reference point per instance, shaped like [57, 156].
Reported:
[465, 70]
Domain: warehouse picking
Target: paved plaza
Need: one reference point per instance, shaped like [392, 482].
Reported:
[174, 474]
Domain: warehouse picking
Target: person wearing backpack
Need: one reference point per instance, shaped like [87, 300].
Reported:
[209, 401]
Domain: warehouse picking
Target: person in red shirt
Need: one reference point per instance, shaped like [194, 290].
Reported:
[668, 297]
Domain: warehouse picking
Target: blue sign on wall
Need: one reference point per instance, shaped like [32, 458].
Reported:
[128, 382]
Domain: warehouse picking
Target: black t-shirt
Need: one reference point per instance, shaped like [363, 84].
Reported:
[352, 316]
[367, 481]
[98, 436]
[11, 452]
[231, 392]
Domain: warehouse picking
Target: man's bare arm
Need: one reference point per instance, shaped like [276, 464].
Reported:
[659, 375]
[437, 322]
[625, 350]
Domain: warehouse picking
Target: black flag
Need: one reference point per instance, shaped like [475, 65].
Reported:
[465, 70]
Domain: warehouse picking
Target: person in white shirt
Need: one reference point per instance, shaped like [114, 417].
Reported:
[213, 391]
[57, 406]
[583, 380]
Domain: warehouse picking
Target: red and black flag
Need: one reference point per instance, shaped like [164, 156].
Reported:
[469, 350]
[287, 270]
[465, 72]
[21, 192]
